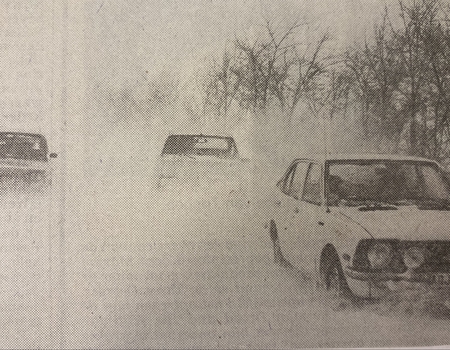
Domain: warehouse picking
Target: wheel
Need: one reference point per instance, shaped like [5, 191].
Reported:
[333, 276]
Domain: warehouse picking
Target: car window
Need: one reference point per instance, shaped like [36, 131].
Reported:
[434, 183]
[397, 182]
[286, 182]
[298, 180]
[206, 143]
[311, 191]
[23, 146]
[223, 147]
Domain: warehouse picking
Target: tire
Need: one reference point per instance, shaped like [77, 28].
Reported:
[333, 278]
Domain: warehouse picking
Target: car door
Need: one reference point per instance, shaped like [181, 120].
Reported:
[305, 208]
[280, 200]
[291, 210]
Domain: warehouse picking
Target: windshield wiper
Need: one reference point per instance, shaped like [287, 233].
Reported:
[369, 204]
[377, 206]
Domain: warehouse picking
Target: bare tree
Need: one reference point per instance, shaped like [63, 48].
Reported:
[401, 78]
[361, 79]
[262, 64]
[377, 74]
[436, 41]
[222, 84]
[408, 41]
[329, 98]
[299, 75]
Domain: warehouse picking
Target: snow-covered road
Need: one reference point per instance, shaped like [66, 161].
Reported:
[158, 270]
[175, 270]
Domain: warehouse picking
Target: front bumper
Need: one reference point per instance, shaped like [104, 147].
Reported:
[410, 276]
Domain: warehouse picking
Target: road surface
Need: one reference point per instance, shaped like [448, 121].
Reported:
[177, 270]
[168, 270]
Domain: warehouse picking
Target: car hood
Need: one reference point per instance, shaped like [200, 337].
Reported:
[406, 223]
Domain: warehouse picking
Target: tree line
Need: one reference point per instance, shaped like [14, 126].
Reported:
[398, 79]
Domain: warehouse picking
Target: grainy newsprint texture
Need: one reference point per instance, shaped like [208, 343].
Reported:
[142, 145]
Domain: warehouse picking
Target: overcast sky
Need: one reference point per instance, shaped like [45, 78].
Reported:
[124, 39]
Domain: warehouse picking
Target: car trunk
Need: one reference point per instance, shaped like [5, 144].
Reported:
[202, 170]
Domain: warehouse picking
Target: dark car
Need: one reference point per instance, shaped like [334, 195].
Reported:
[24, 157]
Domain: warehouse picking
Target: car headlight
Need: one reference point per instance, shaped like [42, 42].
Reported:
[380, 255]
[413, 257]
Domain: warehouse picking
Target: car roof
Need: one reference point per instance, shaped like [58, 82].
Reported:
[20, 133]
[321, 157]
[201, 135]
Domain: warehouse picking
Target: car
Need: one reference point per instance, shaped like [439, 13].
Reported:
[364, 225]
[206, 162]
[24, 158]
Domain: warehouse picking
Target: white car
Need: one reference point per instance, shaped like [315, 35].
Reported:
[202, 163]
[365, 224]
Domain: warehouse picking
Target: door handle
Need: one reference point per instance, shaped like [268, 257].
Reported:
[296, 210]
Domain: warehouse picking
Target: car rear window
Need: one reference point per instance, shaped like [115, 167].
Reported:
[211, 143]
[200, 145]
[22, 146]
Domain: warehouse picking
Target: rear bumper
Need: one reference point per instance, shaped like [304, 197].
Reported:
[19, 174]
[216, 185]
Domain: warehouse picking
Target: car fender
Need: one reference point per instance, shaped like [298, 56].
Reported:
[343, 234]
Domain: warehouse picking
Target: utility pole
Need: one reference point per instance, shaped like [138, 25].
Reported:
[67, 198]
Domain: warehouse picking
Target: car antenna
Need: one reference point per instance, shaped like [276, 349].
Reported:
[325, 131]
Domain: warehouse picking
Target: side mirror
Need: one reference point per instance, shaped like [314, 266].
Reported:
[53, 155]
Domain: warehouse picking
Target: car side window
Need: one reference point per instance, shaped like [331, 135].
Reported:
[286, 185]
[298, 180]
[311, 191]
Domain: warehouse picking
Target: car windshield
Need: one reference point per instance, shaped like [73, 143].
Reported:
[22, 146]
[355, 183]
[200, 145]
